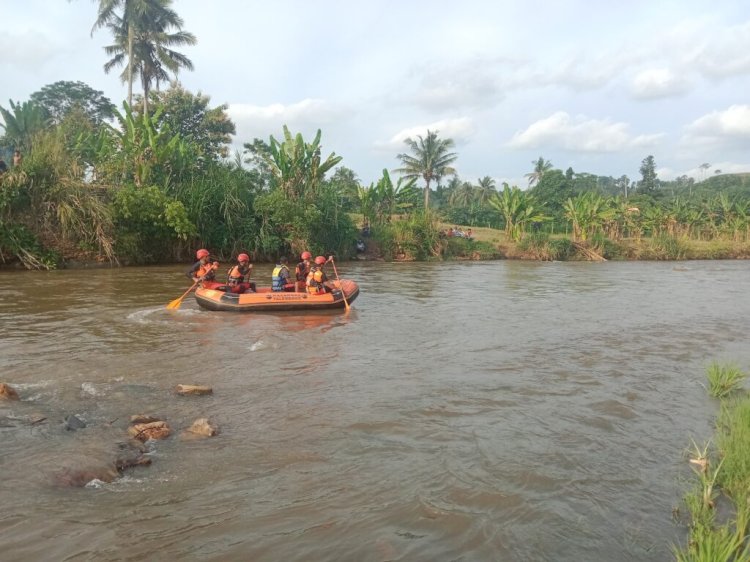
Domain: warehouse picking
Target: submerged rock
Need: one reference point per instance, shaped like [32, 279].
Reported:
[184, 389]
[144, 418]
[73, 423]
[7, 392]
[202, 427]
[79, 477]
[131, 453]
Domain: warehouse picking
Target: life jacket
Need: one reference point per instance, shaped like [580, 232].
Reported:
[277, 280]
[206, 269]
[236, 275]
[315, 280]
[302, 271]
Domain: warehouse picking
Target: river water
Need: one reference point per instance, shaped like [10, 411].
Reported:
[461, 411]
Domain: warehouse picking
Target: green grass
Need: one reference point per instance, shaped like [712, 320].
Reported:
[723, 379]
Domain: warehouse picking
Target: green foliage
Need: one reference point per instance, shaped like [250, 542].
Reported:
[58, 100]
[518, 209]
[430, 159]
[724, 379]
[188, 115]
[21, 123]
[666, 247]
[297, 167]
[540, 246]
[415, 238]
[150, 221]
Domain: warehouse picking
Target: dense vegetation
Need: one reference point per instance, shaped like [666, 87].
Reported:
[153, 180]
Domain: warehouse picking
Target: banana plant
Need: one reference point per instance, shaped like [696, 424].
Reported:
[297, 167]
[518, 208]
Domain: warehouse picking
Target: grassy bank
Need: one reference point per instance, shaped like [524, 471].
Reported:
[718, 504]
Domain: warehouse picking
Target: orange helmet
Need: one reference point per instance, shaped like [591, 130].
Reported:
[320, 260]
[243, 257]
[202, 253]
[306, 255]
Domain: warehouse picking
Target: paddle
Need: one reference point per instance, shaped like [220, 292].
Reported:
[175, 304]
[343, 293]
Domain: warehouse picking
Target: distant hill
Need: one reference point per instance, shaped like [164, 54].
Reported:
[734, 185]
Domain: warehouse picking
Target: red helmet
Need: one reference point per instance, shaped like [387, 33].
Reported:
[320, 260]
[306, 255]
[202, 253]
[243, 257]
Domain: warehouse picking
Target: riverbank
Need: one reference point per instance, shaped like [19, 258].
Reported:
[717, 504]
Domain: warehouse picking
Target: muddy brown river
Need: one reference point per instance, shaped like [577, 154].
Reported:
[462, 411]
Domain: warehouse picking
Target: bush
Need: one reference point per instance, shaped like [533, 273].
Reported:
[666, 247]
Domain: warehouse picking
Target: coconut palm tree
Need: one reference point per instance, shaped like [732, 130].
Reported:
[146, 40]
[541, 167]
[430, 159]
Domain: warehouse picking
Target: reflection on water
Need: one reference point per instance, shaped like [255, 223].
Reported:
[473, 411]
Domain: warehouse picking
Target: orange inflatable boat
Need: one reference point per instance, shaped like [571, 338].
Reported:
[213, 296]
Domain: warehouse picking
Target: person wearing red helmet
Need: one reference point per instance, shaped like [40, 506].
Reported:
[302, 271]
[236, 277]
[317, 281]
[203, 269]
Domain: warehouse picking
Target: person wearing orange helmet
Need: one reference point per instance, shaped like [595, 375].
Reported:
[203, 269]
[317, 281]
[236, 276]
[302, 271]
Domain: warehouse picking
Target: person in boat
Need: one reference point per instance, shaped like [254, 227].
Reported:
[280, 275]
[236, 276]
[317, 281]
[302, 271]
[203, 269]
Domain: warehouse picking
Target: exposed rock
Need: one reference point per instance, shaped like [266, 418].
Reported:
[7, 392]
[203, 427]
[152, 430]
[184, 389]
[144, 418]
[73, 423]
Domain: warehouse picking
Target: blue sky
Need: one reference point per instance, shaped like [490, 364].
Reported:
[593, 85]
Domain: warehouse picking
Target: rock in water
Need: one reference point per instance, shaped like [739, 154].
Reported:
[7, 392]
[146, 431]
[203, 427]
[73, 423]
[144, 418]
[184, 389]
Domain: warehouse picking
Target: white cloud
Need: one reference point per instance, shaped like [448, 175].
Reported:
[26, 49]
[722, 51]
[658, 83]
[460, 130]
[262, 120]
[731, 123]
[579, 133]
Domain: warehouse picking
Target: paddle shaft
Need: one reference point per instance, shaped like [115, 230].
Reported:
[343, 293]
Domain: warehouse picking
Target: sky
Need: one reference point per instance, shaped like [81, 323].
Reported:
[592, 85]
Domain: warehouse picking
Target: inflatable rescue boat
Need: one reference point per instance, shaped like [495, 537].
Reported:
[214, 296]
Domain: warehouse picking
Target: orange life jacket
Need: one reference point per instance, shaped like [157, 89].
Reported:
[206, 269]
[237, 274]
[315, 281]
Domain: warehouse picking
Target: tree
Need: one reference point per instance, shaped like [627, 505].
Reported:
[22, 122]
[552, 191]
[188, 114]
[143, 35]
[704, 168]
[297, 167]
[541, 167]
[62, 97]
[518, 208]
[430, 159]
[346, 183]
[648, 183]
